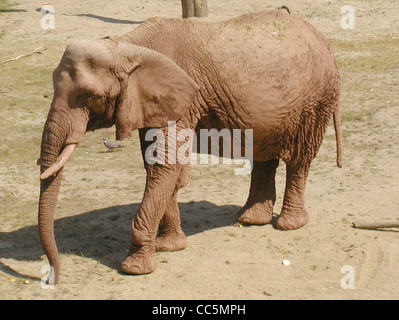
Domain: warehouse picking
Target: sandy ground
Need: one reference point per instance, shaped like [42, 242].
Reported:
[223, 260]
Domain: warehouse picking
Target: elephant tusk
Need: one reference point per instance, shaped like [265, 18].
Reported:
[62, 159]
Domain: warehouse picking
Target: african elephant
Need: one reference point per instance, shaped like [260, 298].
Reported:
[268, 71]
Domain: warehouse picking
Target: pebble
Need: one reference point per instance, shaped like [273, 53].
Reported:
[286, 262]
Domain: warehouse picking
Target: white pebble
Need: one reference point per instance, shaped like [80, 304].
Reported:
[286, 262]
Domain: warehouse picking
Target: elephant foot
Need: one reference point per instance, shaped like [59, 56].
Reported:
[140, 260]
[258, 214]
[170, 242]
[292, 218]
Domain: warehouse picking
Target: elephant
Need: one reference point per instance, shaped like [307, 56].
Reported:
[267, 71]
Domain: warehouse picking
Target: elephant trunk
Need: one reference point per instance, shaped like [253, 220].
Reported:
[54, 153]
[49, 190]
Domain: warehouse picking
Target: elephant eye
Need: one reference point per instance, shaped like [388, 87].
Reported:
[86, 100]
[93, 103]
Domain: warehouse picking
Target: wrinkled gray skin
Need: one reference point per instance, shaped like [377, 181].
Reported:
[268, 71]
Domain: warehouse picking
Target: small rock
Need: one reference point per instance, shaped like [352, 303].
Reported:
[286, 262]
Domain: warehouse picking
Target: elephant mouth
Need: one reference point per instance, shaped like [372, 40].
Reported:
[59, 163]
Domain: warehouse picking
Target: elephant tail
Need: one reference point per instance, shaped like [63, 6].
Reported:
[338, 134]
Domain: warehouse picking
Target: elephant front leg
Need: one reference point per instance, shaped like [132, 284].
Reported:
[293, 214]
[262, 194]
[160, 187]
[170, 235]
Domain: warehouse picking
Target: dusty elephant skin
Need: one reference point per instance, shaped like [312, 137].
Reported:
[268, 71]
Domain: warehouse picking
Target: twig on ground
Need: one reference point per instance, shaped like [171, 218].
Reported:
[286, 8]
[37, 50]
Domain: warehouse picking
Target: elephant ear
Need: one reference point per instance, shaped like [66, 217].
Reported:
[154, 90]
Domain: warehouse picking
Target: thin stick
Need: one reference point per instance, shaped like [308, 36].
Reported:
[37, 50]
[375, 225]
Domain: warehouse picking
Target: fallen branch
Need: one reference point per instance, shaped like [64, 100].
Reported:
[286, 8]
[375, 225]
[37, 50]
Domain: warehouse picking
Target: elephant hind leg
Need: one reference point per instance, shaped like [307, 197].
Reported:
[262, 194]
[299, 146]
[293, 213]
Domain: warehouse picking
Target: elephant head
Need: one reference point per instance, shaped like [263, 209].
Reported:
[99, 84]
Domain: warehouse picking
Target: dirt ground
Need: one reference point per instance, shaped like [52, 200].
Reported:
[101, 191]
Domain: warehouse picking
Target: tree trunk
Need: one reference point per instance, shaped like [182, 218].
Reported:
[194, 8]
[188, 8]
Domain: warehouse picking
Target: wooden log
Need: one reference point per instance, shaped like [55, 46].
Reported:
[375, 225]
[37, 50]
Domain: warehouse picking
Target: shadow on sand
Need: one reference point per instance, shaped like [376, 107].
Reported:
[104, 235]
